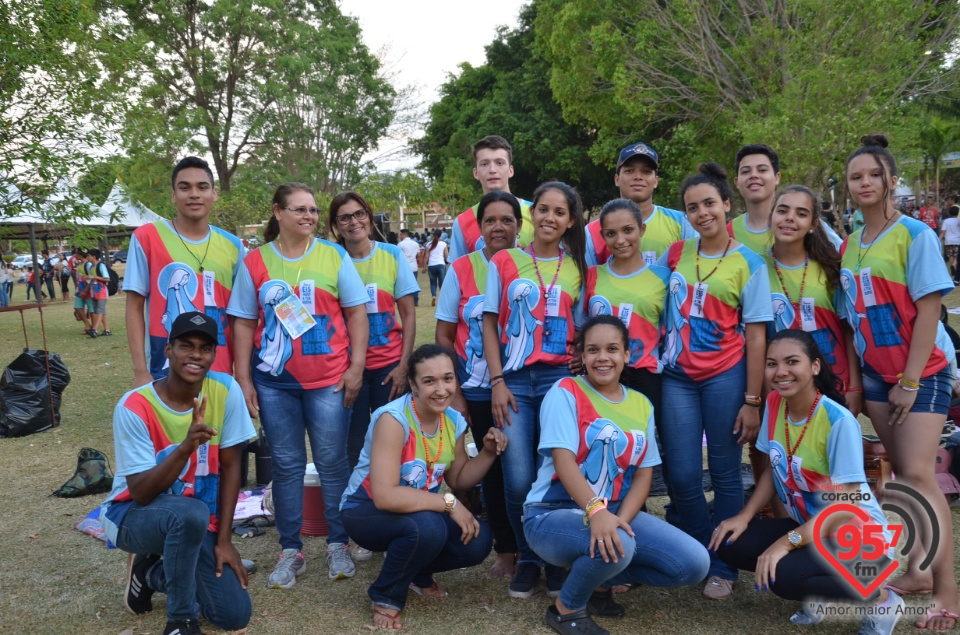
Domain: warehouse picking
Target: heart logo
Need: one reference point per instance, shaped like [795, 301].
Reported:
[852, 540]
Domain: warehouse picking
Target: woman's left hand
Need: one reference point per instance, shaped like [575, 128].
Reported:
[747, 424]
[604, 539]
[350, 384]
[399, 378]
[900, 402]
[767, 563]
[495, 441]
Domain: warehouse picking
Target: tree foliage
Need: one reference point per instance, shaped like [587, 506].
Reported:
[805, 76]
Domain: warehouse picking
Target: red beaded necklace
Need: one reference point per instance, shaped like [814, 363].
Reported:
[544, 289]
[803, 280]
[719, 262]
[423, 437]
[786, 427]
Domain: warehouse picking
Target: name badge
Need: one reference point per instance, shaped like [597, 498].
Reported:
[371, 298]
[808, 315]
[553, 301]
[699, 299]
[294, 317]
[650, 257]
[866, 286]
[626, 310]
[797, 473]
[306, 296]
[639, 447]
[209, 288]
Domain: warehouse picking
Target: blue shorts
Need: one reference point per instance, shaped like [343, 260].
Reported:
[933, 397]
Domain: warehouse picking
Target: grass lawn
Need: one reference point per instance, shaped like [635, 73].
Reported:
[57, 580]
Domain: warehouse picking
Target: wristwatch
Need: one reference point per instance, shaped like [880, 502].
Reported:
[796, 540]
[450, 501]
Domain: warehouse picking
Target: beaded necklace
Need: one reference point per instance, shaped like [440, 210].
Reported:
[543, 289]
[423, 436]
[786, 428]
[803, 280]
[719, 262]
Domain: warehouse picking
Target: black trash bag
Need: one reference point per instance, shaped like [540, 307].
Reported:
[93, 475]
[25, 394]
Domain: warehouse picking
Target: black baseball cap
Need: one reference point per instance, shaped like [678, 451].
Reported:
[194, 322]
[639, 149]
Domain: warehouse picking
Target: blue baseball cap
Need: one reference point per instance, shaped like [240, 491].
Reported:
[639, 149]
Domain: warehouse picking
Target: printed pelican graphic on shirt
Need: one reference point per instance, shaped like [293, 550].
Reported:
[478, 374]
[523, 296]
[672, 341]
[178, 285]
[276, 347]
[606, 445]
[783, 312]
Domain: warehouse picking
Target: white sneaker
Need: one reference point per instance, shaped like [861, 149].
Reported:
[359, 554]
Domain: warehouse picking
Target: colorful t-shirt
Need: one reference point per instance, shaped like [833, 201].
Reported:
[165, 269]
[881, 283]
[819, 312]
[761, 241]
[664, 227]
[466, 237]
[704, 333]
[533, 329]
[99, 287]
[461, 303]
[830, 453]
[638, 300]
[415, 470]
[146, 431]
[388, 278]
[82, 284]
[610, 440]
[324, 281]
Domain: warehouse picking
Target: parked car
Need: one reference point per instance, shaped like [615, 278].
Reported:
[23, 262]
[119, 256]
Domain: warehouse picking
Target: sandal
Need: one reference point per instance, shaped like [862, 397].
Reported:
[578, 623]
[902, 592]
[394, 620]
[602, 604]
[934, 614]
[432, 591]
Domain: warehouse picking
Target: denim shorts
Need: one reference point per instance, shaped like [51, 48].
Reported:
[933, 397]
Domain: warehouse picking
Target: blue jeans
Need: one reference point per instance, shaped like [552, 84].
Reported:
[4, 298]
[934, 396]
[417, 545]
[658, 555]
[285, 414]
[416, 295]
[521, 460]
[691, 408]
[436, 277]
[176, 528]
[373, 394]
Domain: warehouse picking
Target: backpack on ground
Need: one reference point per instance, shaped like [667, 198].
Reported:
[93, 476]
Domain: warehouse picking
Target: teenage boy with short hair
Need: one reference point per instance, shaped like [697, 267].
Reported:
[176, 266]
[98, 277]
[492, 168]
[637, 176]
[757, 177]
[411, 251]
[178, 443]
[82, 305]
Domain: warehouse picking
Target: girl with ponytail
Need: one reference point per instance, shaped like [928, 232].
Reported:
[815, 462]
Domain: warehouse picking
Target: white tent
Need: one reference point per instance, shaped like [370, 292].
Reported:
[123, 210]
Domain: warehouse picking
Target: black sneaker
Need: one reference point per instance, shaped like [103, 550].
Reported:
[137, 597]
[524, 581]
[556, 576]
[186, 627]
[92, 333]
[106, 333]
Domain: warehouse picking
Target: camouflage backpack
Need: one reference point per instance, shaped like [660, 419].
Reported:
[93, 476]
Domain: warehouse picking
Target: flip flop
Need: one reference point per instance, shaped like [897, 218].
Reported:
[395, 623]
[941, 613]
[902, 593]
[421, 591]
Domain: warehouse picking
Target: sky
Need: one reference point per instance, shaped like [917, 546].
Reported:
[423, 41]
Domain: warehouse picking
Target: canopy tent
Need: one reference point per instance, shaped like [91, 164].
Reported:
[123, 210]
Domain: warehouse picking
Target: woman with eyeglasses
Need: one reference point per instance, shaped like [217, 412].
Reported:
[390, 286]
[298, 305]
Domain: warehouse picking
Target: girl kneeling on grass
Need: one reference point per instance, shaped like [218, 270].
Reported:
[393, 502]
[816, 455]
[599, 448]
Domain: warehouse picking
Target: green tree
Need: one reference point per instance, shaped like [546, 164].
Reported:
[807, 77]
[937, 137]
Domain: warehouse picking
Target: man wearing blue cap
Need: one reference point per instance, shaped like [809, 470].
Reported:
[177, 446]
[637, 178]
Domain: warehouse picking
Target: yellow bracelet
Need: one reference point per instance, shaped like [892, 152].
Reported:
[906, 383]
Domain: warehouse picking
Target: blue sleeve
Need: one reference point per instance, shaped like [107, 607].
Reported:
[579, 313]
[237, 426]
[136, 277]
[664, 260]
[243, 299]
[448, 305]
[686, 229]
[406, 284]
[591, 254]
[458, 246]
[460, 425]
[132, 445]
[350, 289]
[652, 457]
[558, 422]
[926, 271]
[491, 298]
[755, 298]
[845, 451]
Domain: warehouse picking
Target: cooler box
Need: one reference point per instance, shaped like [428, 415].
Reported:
[314, 518]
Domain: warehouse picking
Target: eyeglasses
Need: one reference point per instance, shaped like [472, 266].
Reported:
[358, 215]
[304, 211]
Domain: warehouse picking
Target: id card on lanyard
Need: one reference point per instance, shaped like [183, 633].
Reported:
[699, 299]
[552, 304]
[866, 287]
[808, 315]
[209, 288]
[294, 317]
